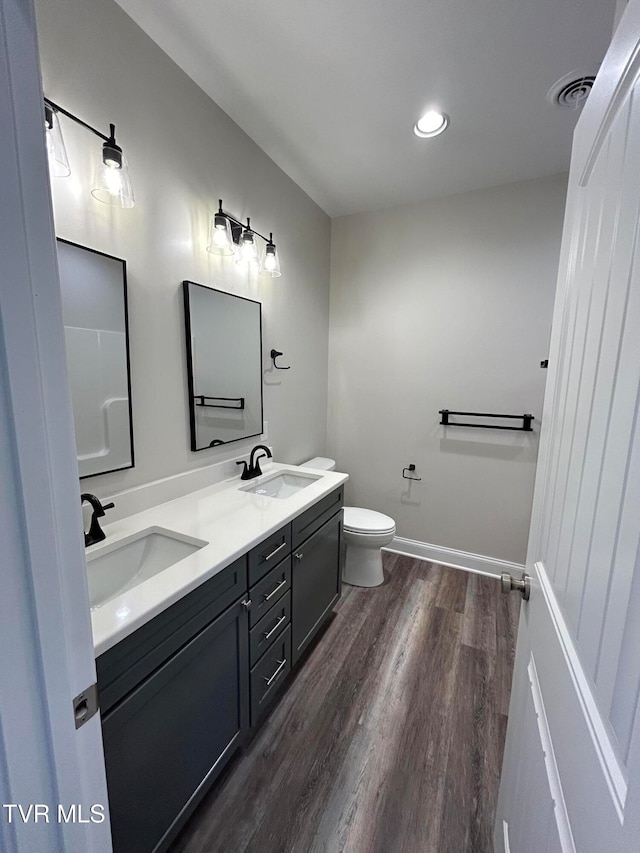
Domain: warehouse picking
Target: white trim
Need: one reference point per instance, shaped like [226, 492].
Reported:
[621, 5]
[505, 833]
[476, 563]
[44, 610]
[613, 771]
[620, 97]
[551, 766]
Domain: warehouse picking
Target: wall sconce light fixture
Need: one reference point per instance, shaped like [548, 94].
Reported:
[270, 264]
[58, 160]
[229, 236]
[111, 181]
[220, 236]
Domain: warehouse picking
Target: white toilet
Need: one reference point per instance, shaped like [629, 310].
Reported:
[365, 533]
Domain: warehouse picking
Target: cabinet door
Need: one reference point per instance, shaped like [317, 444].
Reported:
[133, 659]
[168, 740]
[316, 582]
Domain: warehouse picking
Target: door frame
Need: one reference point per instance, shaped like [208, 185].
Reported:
[44, 604]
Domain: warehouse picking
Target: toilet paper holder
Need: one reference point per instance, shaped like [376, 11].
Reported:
[410, 467]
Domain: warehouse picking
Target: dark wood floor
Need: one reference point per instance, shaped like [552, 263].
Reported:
[390, 738]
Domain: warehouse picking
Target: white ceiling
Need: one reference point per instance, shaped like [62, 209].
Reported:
[331, 89]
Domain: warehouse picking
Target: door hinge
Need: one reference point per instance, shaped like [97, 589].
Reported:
[509, 584]
[85, 705]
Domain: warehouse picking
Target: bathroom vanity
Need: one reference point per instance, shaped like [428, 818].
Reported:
[181, 692]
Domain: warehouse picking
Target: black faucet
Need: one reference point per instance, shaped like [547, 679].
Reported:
[96, 533]
[253, 469]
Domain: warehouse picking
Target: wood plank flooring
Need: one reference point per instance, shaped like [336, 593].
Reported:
[390, 738]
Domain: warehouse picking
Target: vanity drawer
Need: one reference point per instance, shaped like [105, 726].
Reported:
[269, 628]
[307, 523]
[270, 589]
[269, 553]
[269, 673]
[130, 661]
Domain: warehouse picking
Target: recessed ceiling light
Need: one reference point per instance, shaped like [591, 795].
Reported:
[432, 123]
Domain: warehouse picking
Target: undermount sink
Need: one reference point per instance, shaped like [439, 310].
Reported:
[282, 485]
[125, 564]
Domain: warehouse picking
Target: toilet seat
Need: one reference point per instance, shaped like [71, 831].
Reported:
[366, 521]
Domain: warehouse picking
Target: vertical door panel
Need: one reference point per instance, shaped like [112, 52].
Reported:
[574, 723]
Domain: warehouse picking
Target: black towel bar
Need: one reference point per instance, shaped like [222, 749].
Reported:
[223, 402]
[526, 420]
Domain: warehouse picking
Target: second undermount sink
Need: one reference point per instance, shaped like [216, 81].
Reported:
[282, 485]
[120, 566]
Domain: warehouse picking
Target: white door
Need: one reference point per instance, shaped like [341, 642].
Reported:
[46, 649]
[571, 774]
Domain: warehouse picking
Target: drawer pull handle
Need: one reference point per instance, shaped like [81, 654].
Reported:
[299, 556]
[281, 665]
[270, 633]
[246, 603]
[273, 591]
[273, 553]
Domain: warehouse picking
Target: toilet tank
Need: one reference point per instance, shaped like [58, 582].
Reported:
[322, 463]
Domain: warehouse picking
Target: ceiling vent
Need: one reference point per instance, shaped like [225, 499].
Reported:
[572, 90]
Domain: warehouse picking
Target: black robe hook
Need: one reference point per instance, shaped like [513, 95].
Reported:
[274, 355]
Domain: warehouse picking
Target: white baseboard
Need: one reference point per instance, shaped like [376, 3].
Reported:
[477, 563]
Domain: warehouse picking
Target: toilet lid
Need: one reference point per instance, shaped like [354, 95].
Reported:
[360, 520]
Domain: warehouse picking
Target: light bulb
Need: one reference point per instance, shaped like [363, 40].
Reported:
[248, 250]
[112, 179]
[270, 264]
[220, 236]
[112, 185]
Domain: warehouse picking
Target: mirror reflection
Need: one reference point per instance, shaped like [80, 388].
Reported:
[94, 309]
[224, 365]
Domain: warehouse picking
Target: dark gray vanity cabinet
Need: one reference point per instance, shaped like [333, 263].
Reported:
[166, 740]
[316, 582]
[179, 695]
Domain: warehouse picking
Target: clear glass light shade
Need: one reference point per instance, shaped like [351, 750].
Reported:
[56, 150]
[220, 237]
[112, 185]
[247, 250]
[270, 263]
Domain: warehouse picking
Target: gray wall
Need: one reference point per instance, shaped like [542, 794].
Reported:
[445, 304]
[184, 153]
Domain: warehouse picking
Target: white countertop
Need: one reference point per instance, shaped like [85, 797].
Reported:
[231, 520]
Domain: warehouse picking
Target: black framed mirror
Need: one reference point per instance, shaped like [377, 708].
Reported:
[96, 329]
[224, 365]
